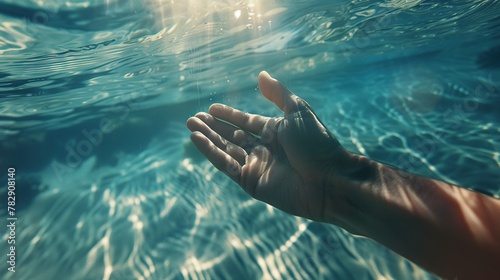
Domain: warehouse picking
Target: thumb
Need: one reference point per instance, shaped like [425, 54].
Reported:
[276, 92]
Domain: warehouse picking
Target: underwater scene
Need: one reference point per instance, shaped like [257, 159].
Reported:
[95, 94]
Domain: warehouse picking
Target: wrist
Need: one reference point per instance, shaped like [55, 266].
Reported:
[350, 192]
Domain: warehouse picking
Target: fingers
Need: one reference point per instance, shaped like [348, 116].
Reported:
[276, 92]
[228, 131]
[223, 129]
[206, 128]
[217, 157]
[248, 122]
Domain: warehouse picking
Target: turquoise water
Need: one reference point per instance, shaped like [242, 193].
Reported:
[95, 94]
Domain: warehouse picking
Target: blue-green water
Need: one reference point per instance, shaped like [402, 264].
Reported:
[94, 96]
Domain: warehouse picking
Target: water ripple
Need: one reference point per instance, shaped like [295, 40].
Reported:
[386, 78]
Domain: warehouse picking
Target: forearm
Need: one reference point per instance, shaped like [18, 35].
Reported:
[448, 230]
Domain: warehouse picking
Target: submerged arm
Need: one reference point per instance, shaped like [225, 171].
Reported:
[448, 230]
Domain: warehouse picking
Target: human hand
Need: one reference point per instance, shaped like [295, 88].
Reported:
[293, 163]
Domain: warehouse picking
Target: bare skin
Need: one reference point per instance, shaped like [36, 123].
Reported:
[295, 164]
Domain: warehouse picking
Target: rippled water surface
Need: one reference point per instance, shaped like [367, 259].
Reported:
[94, 96]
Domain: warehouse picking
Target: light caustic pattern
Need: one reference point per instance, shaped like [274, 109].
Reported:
[161, 212]
[161, 215]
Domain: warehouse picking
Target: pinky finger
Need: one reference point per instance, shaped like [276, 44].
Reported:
[216, 156]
